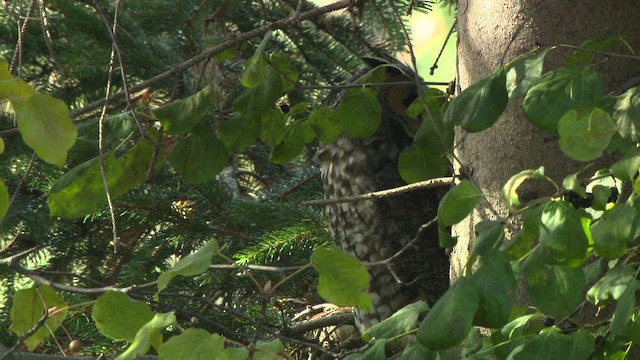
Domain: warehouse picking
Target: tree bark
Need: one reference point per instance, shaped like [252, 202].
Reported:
[490, 33]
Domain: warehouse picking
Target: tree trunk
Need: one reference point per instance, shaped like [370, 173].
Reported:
[490, 34]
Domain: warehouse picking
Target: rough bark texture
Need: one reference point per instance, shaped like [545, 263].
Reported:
[490, 34]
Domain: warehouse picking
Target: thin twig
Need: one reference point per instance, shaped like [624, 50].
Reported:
[443, 181]
[23, 180]
[433, 67]
[44, 21]
[283, 269]
[17, 55]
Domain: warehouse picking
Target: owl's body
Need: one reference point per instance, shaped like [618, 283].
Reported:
[375, 230]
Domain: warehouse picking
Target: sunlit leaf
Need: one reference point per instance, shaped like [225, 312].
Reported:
[190, 265]
[360, 113]
[148, 335]
[458, 203]
[612, 285]
[524, 71]
[344, 280]
[399, 323]
[614, 230]
[585, 133]
[195, 344]
[509, 189]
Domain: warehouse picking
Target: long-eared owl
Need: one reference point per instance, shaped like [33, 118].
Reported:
[375, 230]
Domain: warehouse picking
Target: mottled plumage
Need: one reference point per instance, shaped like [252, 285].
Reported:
[375, 230]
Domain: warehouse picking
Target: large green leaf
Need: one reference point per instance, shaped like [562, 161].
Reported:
[118, 317]
[562, 230]
[239, 132]
[555, 289]
[552, 343]
[627, 116]
[524, 71]
[627, 167]
[558, 91]
[190, 265]
[291, 146]
[81, 190]
[360, 113]
[182, 115]
[612, 285]
[614, 230]
[624, 309]
[495, 284]
[325, 124]
[585, 133]
[28, 307]
[273, 125]
[199, 157]
[194, 344]
[254, 67]
[585, 52]
[458, 203]
[344, 280]
[480, 105]
[45, 126]
[418, 162]
[148, 335]
[401, 322]
[449, 321]
[255, 100]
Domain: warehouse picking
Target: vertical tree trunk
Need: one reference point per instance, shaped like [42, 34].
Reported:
[490, 34]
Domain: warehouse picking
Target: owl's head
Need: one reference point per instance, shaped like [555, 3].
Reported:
[400, 93]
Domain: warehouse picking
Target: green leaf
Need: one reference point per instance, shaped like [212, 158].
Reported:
[148, 335]
[254, 101]
[614, 230]
[272, 131]
[495, 283]
[182, 115]
[28, 307]
[445, 240]
[190, 265]
[291, 146]
[551, 343]
[585, 133]
[626, 114]
[325, 124]
[239, 132]
[344, 280]
[434, 134]
[580, 57]
[12, 87]
[4, 199]
[45, 126]
[458, 203]
[418, 163]
[254, 67]
[490, 233]
[360, 113]
[401, 322]
[268, 350]
[199, 157]
[509, 189]
[612, 285]
[480, 105]
[194, 344]
[555, 289]
[562, 230]
[559, 91]
[118, 317]
[449, 321]
[415, 351]
[289, 75]
[81, 190]
[601, 195]
[511, 329]
[624, 309]
[524, 71]
[376, 351]
[116, 126]
[627, 167]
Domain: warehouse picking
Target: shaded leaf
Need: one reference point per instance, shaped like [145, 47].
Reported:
[458, 203]
[182, 115]
[551, 343]
[325, 124]
[624, 309]
[254, 101]
[239, 132]
[81, 190]
[495, 283]
[612, 285]
[254, 67]
[199, 157]
[555, 289]
[559, 91]
[118, 317]
[480, 105]
[4, 199]
[374, 352]
[291, 146]
[626, 115]
[344, 280]
[28, 307]
[401, 322]
[627, 168]
[273, 127]
[562, 230]
[449, 321]
[418, 163]
[581, 57]
[360, 113]
[614, 230]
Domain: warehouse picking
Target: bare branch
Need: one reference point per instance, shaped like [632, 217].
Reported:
[443, 181]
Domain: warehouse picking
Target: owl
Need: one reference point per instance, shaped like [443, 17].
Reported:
[375, 230]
